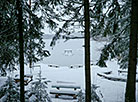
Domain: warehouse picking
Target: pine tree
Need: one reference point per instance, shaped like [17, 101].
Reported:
[70, 14]
[94, 96]
[8, 31]
[9, 51]
[9, 92]
[21, 48]
[81, 97]
[113, 21]
[108, 18]
[39, 90]
[132, 66]
[87, 52]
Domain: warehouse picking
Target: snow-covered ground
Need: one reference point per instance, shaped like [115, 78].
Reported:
[112, 91]
[71, 53]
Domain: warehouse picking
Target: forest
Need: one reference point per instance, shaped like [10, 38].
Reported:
[68, 51]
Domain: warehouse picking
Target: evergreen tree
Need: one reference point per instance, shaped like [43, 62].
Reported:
[9, 51]
[8, 31]
[69, 16]
[113, 20]
[132, 66]
[9, 92]
[81, 97]
[39, 90]
[87, 52]
[21, 48]
[108, 18]
[94, 96]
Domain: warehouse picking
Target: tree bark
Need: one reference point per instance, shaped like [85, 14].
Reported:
[87, 52]
[21, 58]
[130, 95]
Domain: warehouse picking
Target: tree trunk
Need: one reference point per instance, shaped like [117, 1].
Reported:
[21, 58]
[30, 59]
[130, 95]
[87, 52]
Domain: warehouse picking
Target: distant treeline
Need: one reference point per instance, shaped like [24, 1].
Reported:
[50, 36]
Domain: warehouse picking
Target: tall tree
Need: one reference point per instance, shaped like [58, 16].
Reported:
[87, 52]
[109, 18]
[112, 19]
[21, 47]
[30, 58]
[9, 51]
[130, 95]
[8, 31]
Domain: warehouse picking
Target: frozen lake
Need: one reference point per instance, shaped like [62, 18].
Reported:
[70, 52]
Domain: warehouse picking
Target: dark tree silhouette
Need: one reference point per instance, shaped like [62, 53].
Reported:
[130, 95]
[87, 52]
[21, 60]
